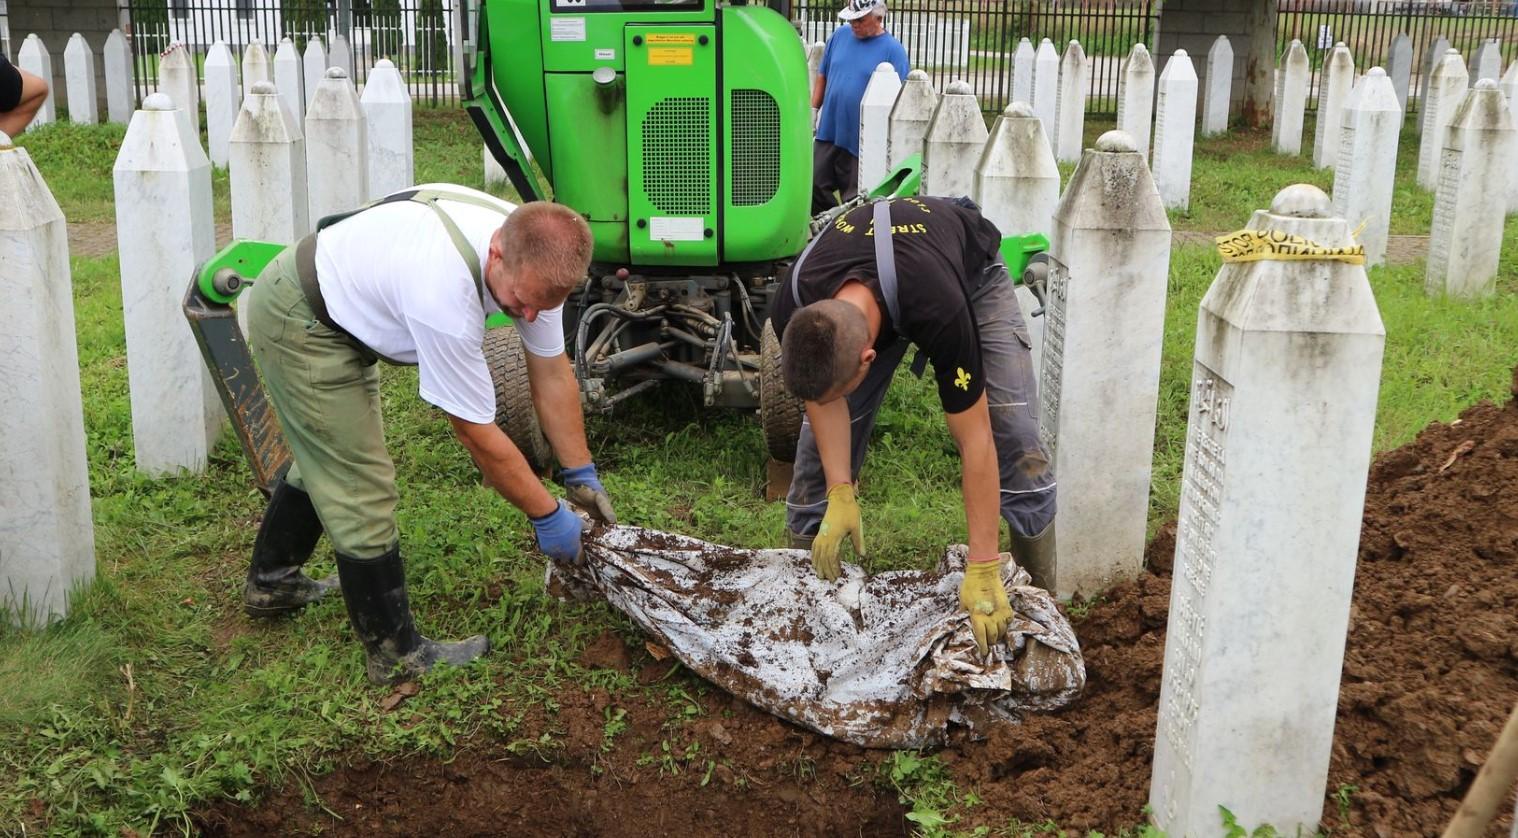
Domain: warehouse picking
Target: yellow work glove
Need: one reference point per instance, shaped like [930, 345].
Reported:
[842, 519]
[982, 594]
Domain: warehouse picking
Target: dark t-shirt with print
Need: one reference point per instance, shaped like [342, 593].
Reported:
[941, 247]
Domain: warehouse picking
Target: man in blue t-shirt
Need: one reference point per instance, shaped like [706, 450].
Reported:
[852, 54]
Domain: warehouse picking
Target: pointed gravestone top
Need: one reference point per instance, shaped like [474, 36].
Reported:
[1116, 142]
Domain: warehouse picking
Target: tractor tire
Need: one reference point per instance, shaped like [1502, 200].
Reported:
[779, 412]
[514, 411]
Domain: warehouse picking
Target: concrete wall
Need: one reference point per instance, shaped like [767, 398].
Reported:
[54, 22]
[1193, 25]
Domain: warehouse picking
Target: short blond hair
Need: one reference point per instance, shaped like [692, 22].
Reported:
[551, 239]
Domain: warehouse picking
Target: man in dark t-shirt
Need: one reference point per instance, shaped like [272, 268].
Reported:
[840, 345]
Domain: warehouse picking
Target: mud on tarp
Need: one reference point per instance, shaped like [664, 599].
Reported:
[885, 661]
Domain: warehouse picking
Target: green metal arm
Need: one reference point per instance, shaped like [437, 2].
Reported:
[229, 272]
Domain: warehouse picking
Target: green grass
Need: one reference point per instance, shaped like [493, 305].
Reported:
[157, 694]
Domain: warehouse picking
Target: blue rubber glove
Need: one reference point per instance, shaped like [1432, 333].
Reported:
[585, 491]
[559, 534]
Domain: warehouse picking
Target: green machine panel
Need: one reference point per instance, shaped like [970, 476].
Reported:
[672, 196]
[590, 148]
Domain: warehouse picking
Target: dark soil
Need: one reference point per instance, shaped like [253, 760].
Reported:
[1430, 674]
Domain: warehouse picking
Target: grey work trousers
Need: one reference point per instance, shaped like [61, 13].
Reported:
[1027, 502]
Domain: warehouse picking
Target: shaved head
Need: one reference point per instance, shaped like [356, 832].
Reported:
[822, 348]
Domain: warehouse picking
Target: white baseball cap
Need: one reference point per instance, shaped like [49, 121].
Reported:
[857, 9]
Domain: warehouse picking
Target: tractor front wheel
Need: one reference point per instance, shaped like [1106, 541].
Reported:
[779, 411]
[514, 411]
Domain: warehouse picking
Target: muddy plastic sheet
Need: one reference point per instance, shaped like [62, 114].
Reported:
[885, 661]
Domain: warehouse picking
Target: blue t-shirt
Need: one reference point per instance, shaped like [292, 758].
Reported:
[847, 64]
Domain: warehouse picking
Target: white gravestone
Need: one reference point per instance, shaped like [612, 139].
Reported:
[911, 115]
[119, 96]
[289, 78]
[1400, 68]
[1215, 100]
[1431, 58]
[255, 65]
[337, 150]
[875, 124]
[314, 65]
[79, 78]
[953, 144]
[178, 79]
[1022, 72]
[1017, 187]
[34, 58]
[165, 227]
[1366, 168]
[1334, 87]
[1441, 96]
[495, 175]
[1070, 103]
[1291, 100]
[268, 177]
[1111, 259]
[1046, 86]
[1175, 131]
[1510, 94]
[1278, 444]
[46, 530]
[1488, 60]
[1466, 239]
[387, 114]
[1135, 97]
[223, 100]
[813, 62]
[341, 54]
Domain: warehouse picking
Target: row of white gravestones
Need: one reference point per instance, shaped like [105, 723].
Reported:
[875, 123]
[267, 159]
[289, 78]
[954, 142]
[1215, 99]
[910, 116]
[1441, 96]
[1109, 252]
[1046, 86]
[1334, 87]
[255, 65]
[165, 226]
[178, 79]
[1278, 448]
[34, 58]
[79, 79]
[337, 147]
[46, 530]
[1017, 187]
[1070, 103]
[1466, 239]
[1291, 100]
[1135, 97]
[1366, 165]
[1175, 131]
[387, 112]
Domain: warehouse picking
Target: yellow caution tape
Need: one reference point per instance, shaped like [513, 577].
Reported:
[1273, 245]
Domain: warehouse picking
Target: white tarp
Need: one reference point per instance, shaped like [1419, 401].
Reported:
[881, 661]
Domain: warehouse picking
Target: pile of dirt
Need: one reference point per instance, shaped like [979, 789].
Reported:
[1430, 674]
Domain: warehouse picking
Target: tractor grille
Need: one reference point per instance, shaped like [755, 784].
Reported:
[756, 147]
[677, 156]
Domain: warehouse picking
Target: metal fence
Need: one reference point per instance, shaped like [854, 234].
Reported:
[974, 40]
[415, 34]
[1368, 28]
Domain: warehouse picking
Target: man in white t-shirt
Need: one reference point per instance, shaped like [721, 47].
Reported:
[410, 280]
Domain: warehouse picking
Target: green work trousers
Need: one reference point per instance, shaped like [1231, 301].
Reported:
[326, 395]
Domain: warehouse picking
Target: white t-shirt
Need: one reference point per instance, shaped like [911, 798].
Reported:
[393, 278]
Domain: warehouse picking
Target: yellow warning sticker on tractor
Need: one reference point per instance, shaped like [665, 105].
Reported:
[670, 56]
[681, 38]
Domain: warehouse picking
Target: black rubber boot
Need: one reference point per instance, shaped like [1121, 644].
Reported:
[285, 541]
[1035, 554]
[375, 590]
